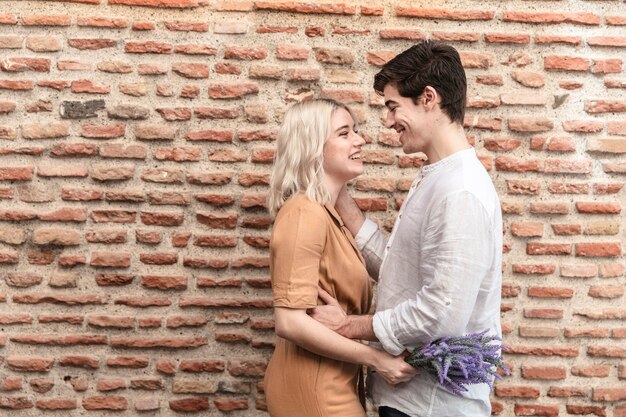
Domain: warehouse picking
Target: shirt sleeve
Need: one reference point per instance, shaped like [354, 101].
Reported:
[371, 242]
[458, 245]
[296, 248]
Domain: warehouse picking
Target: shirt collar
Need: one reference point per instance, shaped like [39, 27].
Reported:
[442, 163]
[333, 213]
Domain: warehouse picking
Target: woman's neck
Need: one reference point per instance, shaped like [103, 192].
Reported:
[333, 188]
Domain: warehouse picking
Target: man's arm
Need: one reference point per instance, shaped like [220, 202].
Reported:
[368, 237]
[332, 316]
[350, 213]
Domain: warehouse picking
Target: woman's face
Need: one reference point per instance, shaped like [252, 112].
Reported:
[342, 150]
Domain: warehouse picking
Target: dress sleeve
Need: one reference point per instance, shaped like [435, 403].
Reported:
[296, 248]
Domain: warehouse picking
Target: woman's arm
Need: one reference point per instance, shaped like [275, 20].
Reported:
[296, 326]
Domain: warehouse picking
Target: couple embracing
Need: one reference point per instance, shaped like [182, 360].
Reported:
[438, 273]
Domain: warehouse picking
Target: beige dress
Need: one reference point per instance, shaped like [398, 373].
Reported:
[311, 247]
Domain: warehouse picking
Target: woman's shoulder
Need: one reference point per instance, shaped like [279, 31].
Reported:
[301, 204]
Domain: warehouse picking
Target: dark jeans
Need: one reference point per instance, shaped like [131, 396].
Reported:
[390, 412]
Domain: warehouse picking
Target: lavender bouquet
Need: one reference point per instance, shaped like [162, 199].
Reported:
[460, 361]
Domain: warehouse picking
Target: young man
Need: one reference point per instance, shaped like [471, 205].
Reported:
[439, 273]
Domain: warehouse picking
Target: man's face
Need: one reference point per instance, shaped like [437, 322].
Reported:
[406, 118]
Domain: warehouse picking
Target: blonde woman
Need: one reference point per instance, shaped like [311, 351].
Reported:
[314, 371]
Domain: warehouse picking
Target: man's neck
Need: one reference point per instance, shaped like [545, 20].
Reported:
[448, 138]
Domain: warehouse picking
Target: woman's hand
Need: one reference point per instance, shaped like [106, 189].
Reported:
[393, 369]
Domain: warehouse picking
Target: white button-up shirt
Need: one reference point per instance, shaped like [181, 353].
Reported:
[439, 274]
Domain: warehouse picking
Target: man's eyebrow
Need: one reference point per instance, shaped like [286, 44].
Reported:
[389, 102]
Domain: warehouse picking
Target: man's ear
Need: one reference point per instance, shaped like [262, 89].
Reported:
[430, 98]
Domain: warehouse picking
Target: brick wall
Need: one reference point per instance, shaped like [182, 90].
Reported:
[136, 142]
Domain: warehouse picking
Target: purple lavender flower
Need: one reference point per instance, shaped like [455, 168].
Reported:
[461, 361]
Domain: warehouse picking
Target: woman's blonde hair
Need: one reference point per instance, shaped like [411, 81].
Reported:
[299, 159]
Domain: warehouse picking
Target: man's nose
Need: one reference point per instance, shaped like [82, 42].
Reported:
[389, 121]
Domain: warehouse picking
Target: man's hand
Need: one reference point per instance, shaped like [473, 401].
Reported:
[330, 315]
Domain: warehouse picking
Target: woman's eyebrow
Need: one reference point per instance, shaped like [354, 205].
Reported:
[342, 127]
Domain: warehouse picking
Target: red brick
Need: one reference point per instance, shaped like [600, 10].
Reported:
[585, 332]
[186, 26]
[550, 292]
[569, 40]
[446, 14]
[46, 20]
[29, 364]
[583, 126]
[606, 66]
[579, 271]
[537, 331]
[339, 56]
[180, 4]
[543, 313]
[114, 403]
[476, 60]
[379, 58]
[230, 404]
[245, 53]
[516, 391]
[609, 394]
[530, 124]
[110, 259]
[568, 188]
[266, 71]
[605, 106]
[608, 249]
[533, 269]
[598, 208]
[277, 29]
[617, 128]
[612, 270]
[410, 34]
[314, 31]
[16, 85]
[565, 63]
[612, 41]
[102, 22]
[606, 291]
[57, 403]
[536, 410]
[550, 373]
[527, 229]
[509, 163]
[563, 166]
[566, 392]
[231, 91]
[516, 38]
[530, 17]
[607, 314]
[310, 8]
[586, 409]
[292, 52]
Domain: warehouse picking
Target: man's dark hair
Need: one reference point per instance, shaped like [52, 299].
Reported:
[428, 64]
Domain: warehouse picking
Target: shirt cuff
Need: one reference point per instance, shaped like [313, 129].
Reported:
[382, 326]
[367, 230]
